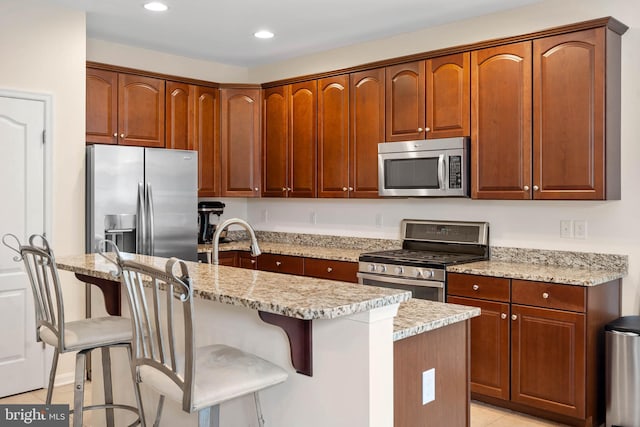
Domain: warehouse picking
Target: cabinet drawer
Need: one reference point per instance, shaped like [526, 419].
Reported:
[328, 269]
[228, 258]
[549, 295]
[484, 287]
[281, 263]
[245, 260]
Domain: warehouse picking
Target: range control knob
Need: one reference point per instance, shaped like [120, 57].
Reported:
[418, 273]
[399, 270]
[427, 273]
[372, 267]
[382, 269]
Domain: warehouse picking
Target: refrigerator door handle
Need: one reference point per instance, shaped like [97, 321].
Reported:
[141, 223]
[150, 215]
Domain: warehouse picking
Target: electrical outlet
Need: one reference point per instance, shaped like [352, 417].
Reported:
[429, 386]
[313, 218]
[566, 228]
[580, 228]
[265, 215]
[379, 220]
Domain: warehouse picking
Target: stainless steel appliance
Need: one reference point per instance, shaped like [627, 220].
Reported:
[427, 248]
[144, 199]
[206, 227]
[425, 168]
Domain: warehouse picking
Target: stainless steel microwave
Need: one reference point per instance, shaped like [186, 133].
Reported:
[424, 168]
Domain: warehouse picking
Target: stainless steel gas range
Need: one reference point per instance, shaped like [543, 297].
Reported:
[427, 248]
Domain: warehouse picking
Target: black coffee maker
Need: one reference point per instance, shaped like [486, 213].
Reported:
[205, 210]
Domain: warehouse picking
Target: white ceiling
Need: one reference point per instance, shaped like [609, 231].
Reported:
[222, 30]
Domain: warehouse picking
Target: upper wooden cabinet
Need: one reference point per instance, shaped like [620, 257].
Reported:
[124, 109]
[367, 125]
[290, 140]
[179, 114]
[240, 142]
[448, 92]
[576, 116]
[501, 122]
[333, 137]
[405, 101]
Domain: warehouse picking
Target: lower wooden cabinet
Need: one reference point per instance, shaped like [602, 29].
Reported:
[541, 351]
[246, 260]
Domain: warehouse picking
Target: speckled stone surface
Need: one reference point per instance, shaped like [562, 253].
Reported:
[288, 295]
[417, 316]
[539, 272]
[589, 260]
[332, 253]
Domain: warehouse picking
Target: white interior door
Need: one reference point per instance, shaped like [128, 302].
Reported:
[22, 191]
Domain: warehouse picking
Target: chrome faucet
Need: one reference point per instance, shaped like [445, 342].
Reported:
[255, 249]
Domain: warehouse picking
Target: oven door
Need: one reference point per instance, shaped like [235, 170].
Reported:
[420, 289]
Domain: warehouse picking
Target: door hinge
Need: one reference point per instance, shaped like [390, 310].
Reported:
[44, 136]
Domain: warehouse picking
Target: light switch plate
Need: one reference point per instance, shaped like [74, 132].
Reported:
[428, 386]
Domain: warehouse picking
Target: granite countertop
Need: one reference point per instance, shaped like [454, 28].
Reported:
[280, 248]
[293, 296]
[580, 276]
[417, 316]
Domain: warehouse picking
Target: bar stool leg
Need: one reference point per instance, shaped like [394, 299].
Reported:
[52, 376]
[78, 391]
[156, 423]
[209, 417]
[136, 389]
[258, 409]
[108, 385]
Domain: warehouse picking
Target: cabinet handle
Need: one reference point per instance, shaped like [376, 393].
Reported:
[122, 135]
[329, 269]
[475, 287]
[288, 188]
[344, 188]
[503, 316]
[115, 134]
[545, 295]
[536, 188]
[253, 261]
[526, 188]
[420, 129]
[427, 129]
[284, 188]
[514, 317]
[278, 263]
[255, 189]
[350, 188]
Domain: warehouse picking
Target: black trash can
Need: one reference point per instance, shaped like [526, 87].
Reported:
[623, 371]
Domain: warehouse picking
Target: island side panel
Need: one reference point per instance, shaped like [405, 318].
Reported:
[446, 350]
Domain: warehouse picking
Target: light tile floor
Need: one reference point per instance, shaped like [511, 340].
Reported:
[482, 415]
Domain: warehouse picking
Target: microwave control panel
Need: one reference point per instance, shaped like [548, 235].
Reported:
[455, 171]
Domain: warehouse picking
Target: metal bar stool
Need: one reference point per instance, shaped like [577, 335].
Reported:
[201, 378]
[82, 336]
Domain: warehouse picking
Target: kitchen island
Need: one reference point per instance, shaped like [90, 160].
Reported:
[346, 332]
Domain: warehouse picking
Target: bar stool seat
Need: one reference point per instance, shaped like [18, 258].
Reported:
[90, 333]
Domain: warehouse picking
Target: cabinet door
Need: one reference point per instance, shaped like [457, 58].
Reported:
[303, 139]
[281, 264]
[489, 347]
[102, 107]
[405, 102]
[568, 115]
[228, 258]
[501, 122]
[178, 113]
[141, 103]
[245, 260]
[367, 123]
[240, 145]
[548, 359]
[275, 141]
[330, 269]
[333, 137]
[206, 138]
[448, 96]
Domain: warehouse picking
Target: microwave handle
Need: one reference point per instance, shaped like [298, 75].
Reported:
[441, 171]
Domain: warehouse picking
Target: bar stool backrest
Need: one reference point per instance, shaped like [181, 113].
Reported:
[41, 269]
[156, 326]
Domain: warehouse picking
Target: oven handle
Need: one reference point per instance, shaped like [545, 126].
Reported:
[400, 281]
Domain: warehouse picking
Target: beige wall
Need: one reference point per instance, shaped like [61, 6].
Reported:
[150, 60]
[43, 51]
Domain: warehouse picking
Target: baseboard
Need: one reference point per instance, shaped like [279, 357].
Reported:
[63, 379]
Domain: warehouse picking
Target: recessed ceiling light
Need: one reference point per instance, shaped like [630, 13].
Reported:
[156, 6]
[263, 34]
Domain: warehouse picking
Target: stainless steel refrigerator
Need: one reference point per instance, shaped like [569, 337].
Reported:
[144, 199]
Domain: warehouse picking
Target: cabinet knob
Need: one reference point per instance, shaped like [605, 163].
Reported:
[536, 188]
[427, 129]
[278, 263]
[503, 316]
[122, 135]
[420, 129]
[526, 188]
[329, 269]
[284, 188]
[344, 188]
[115, 134]
[475, 287]
[545, 295]
[253, 261]
[350, 188]
[255, 189]
[514, 317]
[288, 188]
